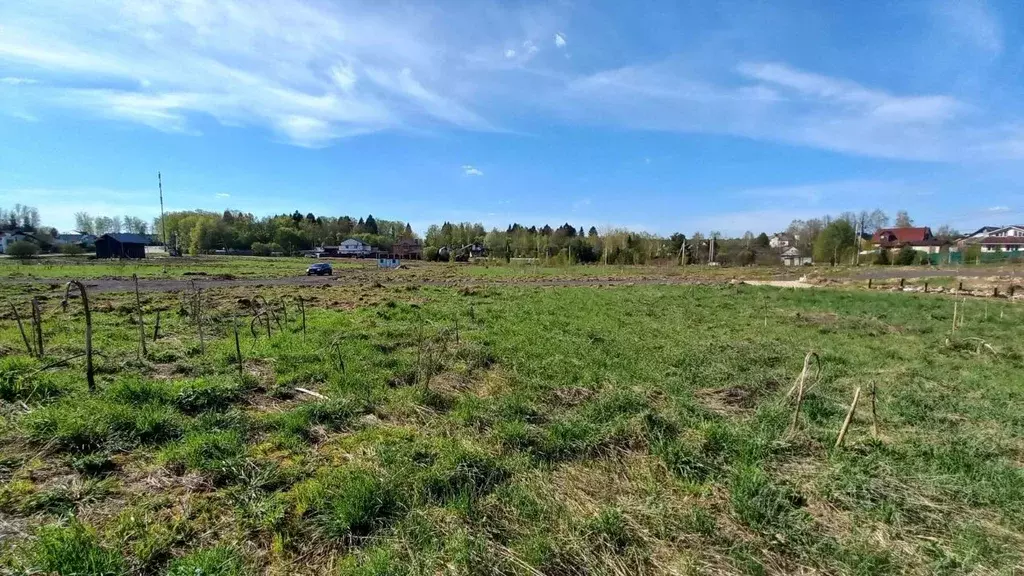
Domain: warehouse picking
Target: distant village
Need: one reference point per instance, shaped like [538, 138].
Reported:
[817, 242]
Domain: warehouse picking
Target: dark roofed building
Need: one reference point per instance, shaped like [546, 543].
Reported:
[897, 237]
[121, 246]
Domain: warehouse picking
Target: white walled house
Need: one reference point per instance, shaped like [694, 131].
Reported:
[781, 240]
[354, 247]
[792, 257]
[997, 239]
[8, 238]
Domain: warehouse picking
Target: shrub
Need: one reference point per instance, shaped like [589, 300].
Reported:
[72, 250]
[261, 249]
[137, 392]
[87, 425]
[72, 549]
[762, 504]
[906, 256]
[201, 395]
[430, 254]
[220, 561]
[333, 414]
[344, 502]
[882, 258]
[217, 454]
[22, 249]
[19, 381]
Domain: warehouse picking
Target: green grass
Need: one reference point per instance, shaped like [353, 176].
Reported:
[516, 430]
[58, 267]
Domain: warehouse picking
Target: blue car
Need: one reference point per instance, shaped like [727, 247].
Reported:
[320, 269]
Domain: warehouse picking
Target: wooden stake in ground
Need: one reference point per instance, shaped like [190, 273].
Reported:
[302, 308]
[874, 412]
[89, 376]
[37, 324]
[156, 327]
[849, 418]
[238, 346]
[21, 328]
[142, 321]
[800, 388]
[956, 303]
[199, 321]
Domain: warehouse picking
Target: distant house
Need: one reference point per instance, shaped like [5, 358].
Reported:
[82, 240]
[408, 248]
[475, 250]
[997, 239]
[355, 248]
[920, 239]
[781, 240]
[12, 236]
[121, 246]
[792, 257]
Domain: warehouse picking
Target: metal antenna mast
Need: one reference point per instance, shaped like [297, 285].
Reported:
[163, 221]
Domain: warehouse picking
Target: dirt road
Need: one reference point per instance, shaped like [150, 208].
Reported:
[357, 278]
[177, 285]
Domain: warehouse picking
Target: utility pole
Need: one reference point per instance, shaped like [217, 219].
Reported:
[163, 221]
[860, 234]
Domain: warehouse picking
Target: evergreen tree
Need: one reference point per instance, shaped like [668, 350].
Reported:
[370, 226]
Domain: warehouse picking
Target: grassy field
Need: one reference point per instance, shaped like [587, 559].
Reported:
[234, 266]
[63, 267]
[514, 430]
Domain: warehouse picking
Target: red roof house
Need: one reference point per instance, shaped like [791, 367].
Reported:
[896, 237]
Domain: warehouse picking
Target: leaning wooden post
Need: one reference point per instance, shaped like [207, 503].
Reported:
[956, 303]
[37, 322]
[199, 319]
[21, 328]
[874, 412]
[238, 347]
[142, 324]
[284, 312]
[849, 418]
[800, 389]
[90, 378]
[156, 327]
[302, 308]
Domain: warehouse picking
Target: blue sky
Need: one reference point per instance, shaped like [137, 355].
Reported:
[666, 116]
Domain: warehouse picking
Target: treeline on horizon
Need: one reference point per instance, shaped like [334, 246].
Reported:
[200, 232]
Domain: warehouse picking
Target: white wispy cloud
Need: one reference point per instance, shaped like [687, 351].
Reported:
[997, 209]
[310, 72]
[222, 195]
[510, 53]
[560, 40]
[777, 102]
[469, 170]
[829, 192]
[16, 81]
[971, 22]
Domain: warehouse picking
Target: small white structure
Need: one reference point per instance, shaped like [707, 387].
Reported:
[780, 240]
[998, 239]
[8, 238]
[792, 257]
[354, 247]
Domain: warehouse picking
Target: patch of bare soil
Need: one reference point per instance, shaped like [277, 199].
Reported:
[735, 399]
